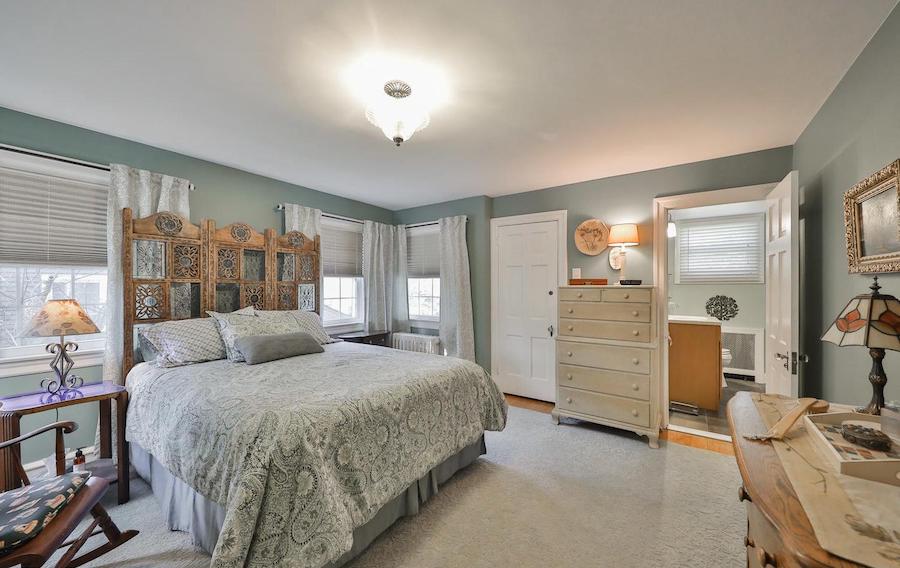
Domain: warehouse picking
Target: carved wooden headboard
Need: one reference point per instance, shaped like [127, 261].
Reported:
[173, 269]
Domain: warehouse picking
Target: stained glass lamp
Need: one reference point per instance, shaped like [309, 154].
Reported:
[870, 320]
[59, 318]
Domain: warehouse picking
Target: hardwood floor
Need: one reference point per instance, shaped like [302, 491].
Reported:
[675, 437]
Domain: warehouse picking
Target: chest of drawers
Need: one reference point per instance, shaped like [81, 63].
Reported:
[606, 358]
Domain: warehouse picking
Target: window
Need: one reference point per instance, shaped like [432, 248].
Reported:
[343, 292]
[725, 249]
[52, 245]
[424, 274]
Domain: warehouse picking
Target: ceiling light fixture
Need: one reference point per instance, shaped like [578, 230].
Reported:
[398, 94]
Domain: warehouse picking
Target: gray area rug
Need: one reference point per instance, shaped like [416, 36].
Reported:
[544, 495]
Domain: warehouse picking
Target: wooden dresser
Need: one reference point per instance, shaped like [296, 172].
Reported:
[778, 530]
[606, 358]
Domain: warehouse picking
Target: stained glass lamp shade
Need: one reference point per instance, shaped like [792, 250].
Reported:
[873, 321]
[59, 318]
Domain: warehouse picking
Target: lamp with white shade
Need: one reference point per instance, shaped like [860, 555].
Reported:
[621, 236]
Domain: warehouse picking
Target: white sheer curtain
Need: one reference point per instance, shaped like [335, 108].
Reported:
[384, 271]
[145, 193]
[304, 219]
[456, 329]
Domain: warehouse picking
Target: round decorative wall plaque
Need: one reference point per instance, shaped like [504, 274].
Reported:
[591, 237]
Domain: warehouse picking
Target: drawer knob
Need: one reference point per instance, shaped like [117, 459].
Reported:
[570, 328]
[626, 296]
[569, 400]
[578, 295]
[634, 313]
[571, 311]
[635, 361]
[635, 387]
[568, 353]
[635, 332]
[569, 376]
[634, 413]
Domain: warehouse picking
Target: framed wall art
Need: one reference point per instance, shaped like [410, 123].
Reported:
[872, 220]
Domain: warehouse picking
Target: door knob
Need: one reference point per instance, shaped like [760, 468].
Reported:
[550, 329]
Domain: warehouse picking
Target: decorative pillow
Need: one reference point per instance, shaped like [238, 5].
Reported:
[262, 348]
[236, 325]
[183, 342]
[25, 511]
[309, 322]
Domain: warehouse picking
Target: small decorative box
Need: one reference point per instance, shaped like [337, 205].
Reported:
[849, 458]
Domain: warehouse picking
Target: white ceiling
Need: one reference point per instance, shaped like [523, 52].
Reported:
[544, 93]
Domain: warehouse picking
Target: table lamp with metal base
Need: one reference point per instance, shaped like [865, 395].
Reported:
[870, 320]
[59, 318]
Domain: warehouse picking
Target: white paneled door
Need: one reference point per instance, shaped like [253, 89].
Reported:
[782, 287]
[525, 271]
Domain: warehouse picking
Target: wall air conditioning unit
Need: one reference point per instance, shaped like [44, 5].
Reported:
[746, 345]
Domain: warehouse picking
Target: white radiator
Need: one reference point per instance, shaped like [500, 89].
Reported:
[747, 347]
[417, 342]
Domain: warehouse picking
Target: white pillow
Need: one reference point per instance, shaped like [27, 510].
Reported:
[239, 324]
[183, 342]
[309, 322]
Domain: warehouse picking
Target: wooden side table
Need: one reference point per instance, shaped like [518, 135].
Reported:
[367, 337]
[12, 409]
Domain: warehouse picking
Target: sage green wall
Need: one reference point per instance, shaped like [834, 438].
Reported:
[478, 238]
[854, 134]
[223, 193]
[629, 199]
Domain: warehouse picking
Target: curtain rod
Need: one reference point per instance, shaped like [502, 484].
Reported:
[280, 207]
[65, 160]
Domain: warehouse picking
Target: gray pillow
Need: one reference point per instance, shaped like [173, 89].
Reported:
[262, 348]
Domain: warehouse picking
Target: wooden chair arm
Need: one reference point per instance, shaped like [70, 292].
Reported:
[67, 427]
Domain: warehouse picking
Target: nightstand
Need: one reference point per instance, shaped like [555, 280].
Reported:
[13, 408]
[368, 337]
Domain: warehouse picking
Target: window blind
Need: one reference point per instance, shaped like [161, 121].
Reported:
[51, 213]
[725, 249]
[423, 252]
[341, 248]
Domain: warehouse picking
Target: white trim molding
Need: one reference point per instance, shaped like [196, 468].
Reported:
[33, 364]
[661, 207]
[561, 217]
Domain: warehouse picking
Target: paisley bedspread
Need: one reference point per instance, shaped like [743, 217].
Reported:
[301, 451]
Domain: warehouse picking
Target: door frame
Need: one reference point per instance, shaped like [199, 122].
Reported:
[661, 208]
[561, 216]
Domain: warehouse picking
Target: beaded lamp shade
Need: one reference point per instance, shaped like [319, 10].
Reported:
[59, 318]
[873, 321]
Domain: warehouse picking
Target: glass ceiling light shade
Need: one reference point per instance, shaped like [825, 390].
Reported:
[398, 93]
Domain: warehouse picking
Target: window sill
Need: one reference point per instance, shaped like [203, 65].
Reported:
[338, 329]
[31, 364]
[425, 324]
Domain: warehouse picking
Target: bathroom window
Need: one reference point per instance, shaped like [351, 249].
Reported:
[719, 250]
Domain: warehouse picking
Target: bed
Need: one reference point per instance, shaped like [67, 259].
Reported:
[301, 452]
[298, 461]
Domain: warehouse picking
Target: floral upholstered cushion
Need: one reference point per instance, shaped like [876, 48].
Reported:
[25, 511]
